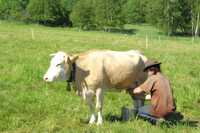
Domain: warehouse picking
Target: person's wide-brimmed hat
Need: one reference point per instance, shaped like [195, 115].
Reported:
[151, 63]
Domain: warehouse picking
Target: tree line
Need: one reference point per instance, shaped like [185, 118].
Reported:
[172, 16]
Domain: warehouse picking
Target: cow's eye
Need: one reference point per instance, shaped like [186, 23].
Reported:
[58, 65]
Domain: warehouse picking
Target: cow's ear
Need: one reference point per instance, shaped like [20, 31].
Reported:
[72, 59]
[52, 55]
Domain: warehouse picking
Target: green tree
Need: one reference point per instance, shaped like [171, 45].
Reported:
[178, 14]
[108, 13]
[48, 12]
[13, 9]
[154, 12]
[66, 8]
[4, 9]
[82, 14]
[134, 11]
[98, 14]
[173, 16]
[195, 5]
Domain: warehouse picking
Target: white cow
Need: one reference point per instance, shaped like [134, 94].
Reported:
[96, 71]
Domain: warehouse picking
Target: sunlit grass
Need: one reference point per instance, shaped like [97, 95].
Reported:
[27, 104]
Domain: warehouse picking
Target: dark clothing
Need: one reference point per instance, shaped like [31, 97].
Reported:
[145, 113]
[162, 101]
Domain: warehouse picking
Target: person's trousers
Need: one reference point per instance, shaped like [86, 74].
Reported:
[145, 112]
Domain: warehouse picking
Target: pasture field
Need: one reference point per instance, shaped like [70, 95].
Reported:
[28, 105]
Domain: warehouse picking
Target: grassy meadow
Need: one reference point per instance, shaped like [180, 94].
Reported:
[28, 105]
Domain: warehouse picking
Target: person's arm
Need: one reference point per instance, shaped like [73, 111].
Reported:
[145, 87]
[137, 90]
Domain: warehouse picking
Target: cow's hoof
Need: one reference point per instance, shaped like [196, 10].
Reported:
[91, 124]
[92, 119]
[99, 122]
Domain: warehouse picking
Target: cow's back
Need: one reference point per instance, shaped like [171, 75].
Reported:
[112, 69]
[124, 68]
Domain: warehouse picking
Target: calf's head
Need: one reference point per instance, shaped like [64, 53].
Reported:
[60, 67]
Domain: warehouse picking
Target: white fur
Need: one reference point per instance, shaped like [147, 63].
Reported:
[56, 69]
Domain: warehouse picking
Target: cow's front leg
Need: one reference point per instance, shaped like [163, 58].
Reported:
[99, 105]
[90, 101]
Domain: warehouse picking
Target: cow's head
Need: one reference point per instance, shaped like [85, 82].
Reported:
[60, 67]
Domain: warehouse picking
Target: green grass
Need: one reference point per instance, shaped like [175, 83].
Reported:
[27, 104]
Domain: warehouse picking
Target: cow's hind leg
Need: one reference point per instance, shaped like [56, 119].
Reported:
[99, 105]
[90, 101]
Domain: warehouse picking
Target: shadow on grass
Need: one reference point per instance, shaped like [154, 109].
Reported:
[176, 118]
[113, 118]
[170, 122]
[122, 31]
[109, 117]
[180, 34]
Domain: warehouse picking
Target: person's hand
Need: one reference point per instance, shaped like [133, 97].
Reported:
[137, 90]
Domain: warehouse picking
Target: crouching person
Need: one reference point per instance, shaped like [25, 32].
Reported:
[162, 101]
